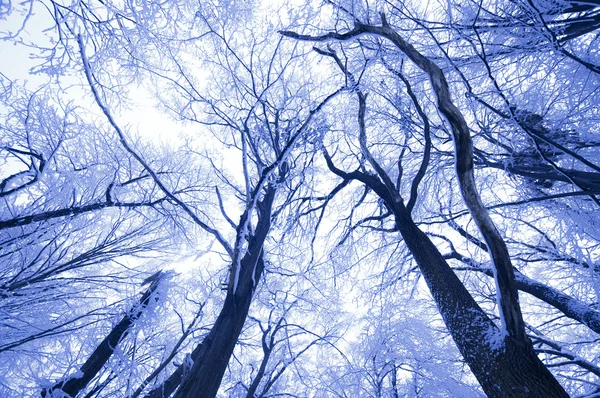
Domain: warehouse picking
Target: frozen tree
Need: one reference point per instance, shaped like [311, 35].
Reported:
[73, 384]
[361, 198]
[78, 223]
[465, 321]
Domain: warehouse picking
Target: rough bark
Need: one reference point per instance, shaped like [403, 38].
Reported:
[568, 305]
[508, 301]
[505, 365]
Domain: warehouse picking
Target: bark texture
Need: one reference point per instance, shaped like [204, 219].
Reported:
[503, 361]
[504, 366]
[568, 305]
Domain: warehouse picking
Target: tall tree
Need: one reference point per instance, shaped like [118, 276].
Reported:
[512, 368]
[72, 385]
[323, 236]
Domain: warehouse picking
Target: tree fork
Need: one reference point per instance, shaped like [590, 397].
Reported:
[503, 366]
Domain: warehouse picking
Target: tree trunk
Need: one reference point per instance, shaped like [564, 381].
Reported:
[211, 360]
[211, 357]
[503, 361]
[503, 366]
[73, 384]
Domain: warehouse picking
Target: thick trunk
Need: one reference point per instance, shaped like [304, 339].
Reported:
[211, 357]
[503, 361]
[503, 366]
[73, 385]
[518, 372]
[211, 361]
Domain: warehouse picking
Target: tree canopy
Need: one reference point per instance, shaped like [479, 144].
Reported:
[305, 199]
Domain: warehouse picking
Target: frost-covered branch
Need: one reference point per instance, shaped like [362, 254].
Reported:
[72, 385]
[136, 156]
[506, 289]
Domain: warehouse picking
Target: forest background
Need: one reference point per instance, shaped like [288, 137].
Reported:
[303, 199]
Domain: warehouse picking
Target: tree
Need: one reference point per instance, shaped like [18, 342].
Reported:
[428, 258]
[74, 214]
[345, 199]
[72, 385]
[269, 138]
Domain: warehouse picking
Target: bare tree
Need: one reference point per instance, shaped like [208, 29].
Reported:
[470, 129]
[72, 385]
[515, 369]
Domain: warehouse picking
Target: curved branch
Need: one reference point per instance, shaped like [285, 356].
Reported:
[510, 311]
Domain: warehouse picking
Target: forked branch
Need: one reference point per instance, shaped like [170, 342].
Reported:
[507, 293]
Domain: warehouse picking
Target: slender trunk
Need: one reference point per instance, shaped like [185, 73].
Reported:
[267, 350]
[74, 384]
[394, 381]
[69, 212]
